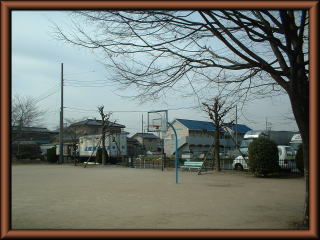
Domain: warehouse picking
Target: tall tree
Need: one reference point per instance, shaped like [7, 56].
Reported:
[217, 111]
[261, 52]
[105, 128]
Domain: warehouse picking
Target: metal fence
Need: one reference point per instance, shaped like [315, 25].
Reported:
[286, 167]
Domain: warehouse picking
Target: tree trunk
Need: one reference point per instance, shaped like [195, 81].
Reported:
[299, 97]
[216, 148]
[103, 153]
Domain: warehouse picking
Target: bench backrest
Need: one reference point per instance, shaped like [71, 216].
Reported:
[193, 163]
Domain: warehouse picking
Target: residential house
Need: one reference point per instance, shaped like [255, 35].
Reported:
[27, 141]
[93, 127]
[198, 136]
[134, 147]
[149, 142]
[38, 135]
[86, 127]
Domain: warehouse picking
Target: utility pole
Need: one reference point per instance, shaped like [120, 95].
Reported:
[61, 120]
[266, 124]
[142, 124]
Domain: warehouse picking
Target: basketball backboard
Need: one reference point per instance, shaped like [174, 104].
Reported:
[157, 121]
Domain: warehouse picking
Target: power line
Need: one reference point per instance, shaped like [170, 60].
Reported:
[75, 80]
[79, 73]
[140, 111]
[90, 110]
[40, 99]
[72, 85]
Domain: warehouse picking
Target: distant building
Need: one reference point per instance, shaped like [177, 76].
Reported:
[134, 147]
[26, 141]
[149, 142]
[38, 135]
[88, 127]
[197, 136]
[93, 126]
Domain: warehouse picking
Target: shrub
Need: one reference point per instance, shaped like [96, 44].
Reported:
[299, 159]
[263, 156]
[51, 155]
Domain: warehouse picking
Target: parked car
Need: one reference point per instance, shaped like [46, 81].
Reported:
[239, 163]
[286, 159]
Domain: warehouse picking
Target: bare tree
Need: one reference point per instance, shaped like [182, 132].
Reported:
[247, 53]
[105, 128]
[25, 112]
[217, 111]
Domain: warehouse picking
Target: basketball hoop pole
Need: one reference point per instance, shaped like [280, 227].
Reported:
[176, 153]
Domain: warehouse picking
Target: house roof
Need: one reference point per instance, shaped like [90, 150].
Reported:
[31, 129]
[132, 140]
[240, 128]
[209, 126]
[95, 122]
[197, 125]
[145, 135]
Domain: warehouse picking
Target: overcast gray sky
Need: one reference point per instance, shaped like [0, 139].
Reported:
[36, 71]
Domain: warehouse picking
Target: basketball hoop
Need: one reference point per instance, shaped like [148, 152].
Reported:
[154, 127]
[157, 121]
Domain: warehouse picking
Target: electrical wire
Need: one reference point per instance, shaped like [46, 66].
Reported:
[40, 99]
[91, 110]
[79, 73]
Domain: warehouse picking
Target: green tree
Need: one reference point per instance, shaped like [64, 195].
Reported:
[263, 156]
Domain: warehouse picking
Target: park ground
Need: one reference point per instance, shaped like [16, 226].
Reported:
[64, 196]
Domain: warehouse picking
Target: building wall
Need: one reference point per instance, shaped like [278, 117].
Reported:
[115, 147]
[92, 130]
[182, 131]
[169, 137]
[139, 139]
[195, 140]
[149, 144]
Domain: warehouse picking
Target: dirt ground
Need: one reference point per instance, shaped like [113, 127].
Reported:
[110, 197]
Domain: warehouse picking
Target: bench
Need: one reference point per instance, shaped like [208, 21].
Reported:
[192, 165]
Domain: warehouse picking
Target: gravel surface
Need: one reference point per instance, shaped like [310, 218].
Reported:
[112, 197]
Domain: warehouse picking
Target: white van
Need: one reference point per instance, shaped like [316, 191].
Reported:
[286, 159]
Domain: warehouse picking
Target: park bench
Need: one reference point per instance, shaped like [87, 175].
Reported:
[191, 165]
